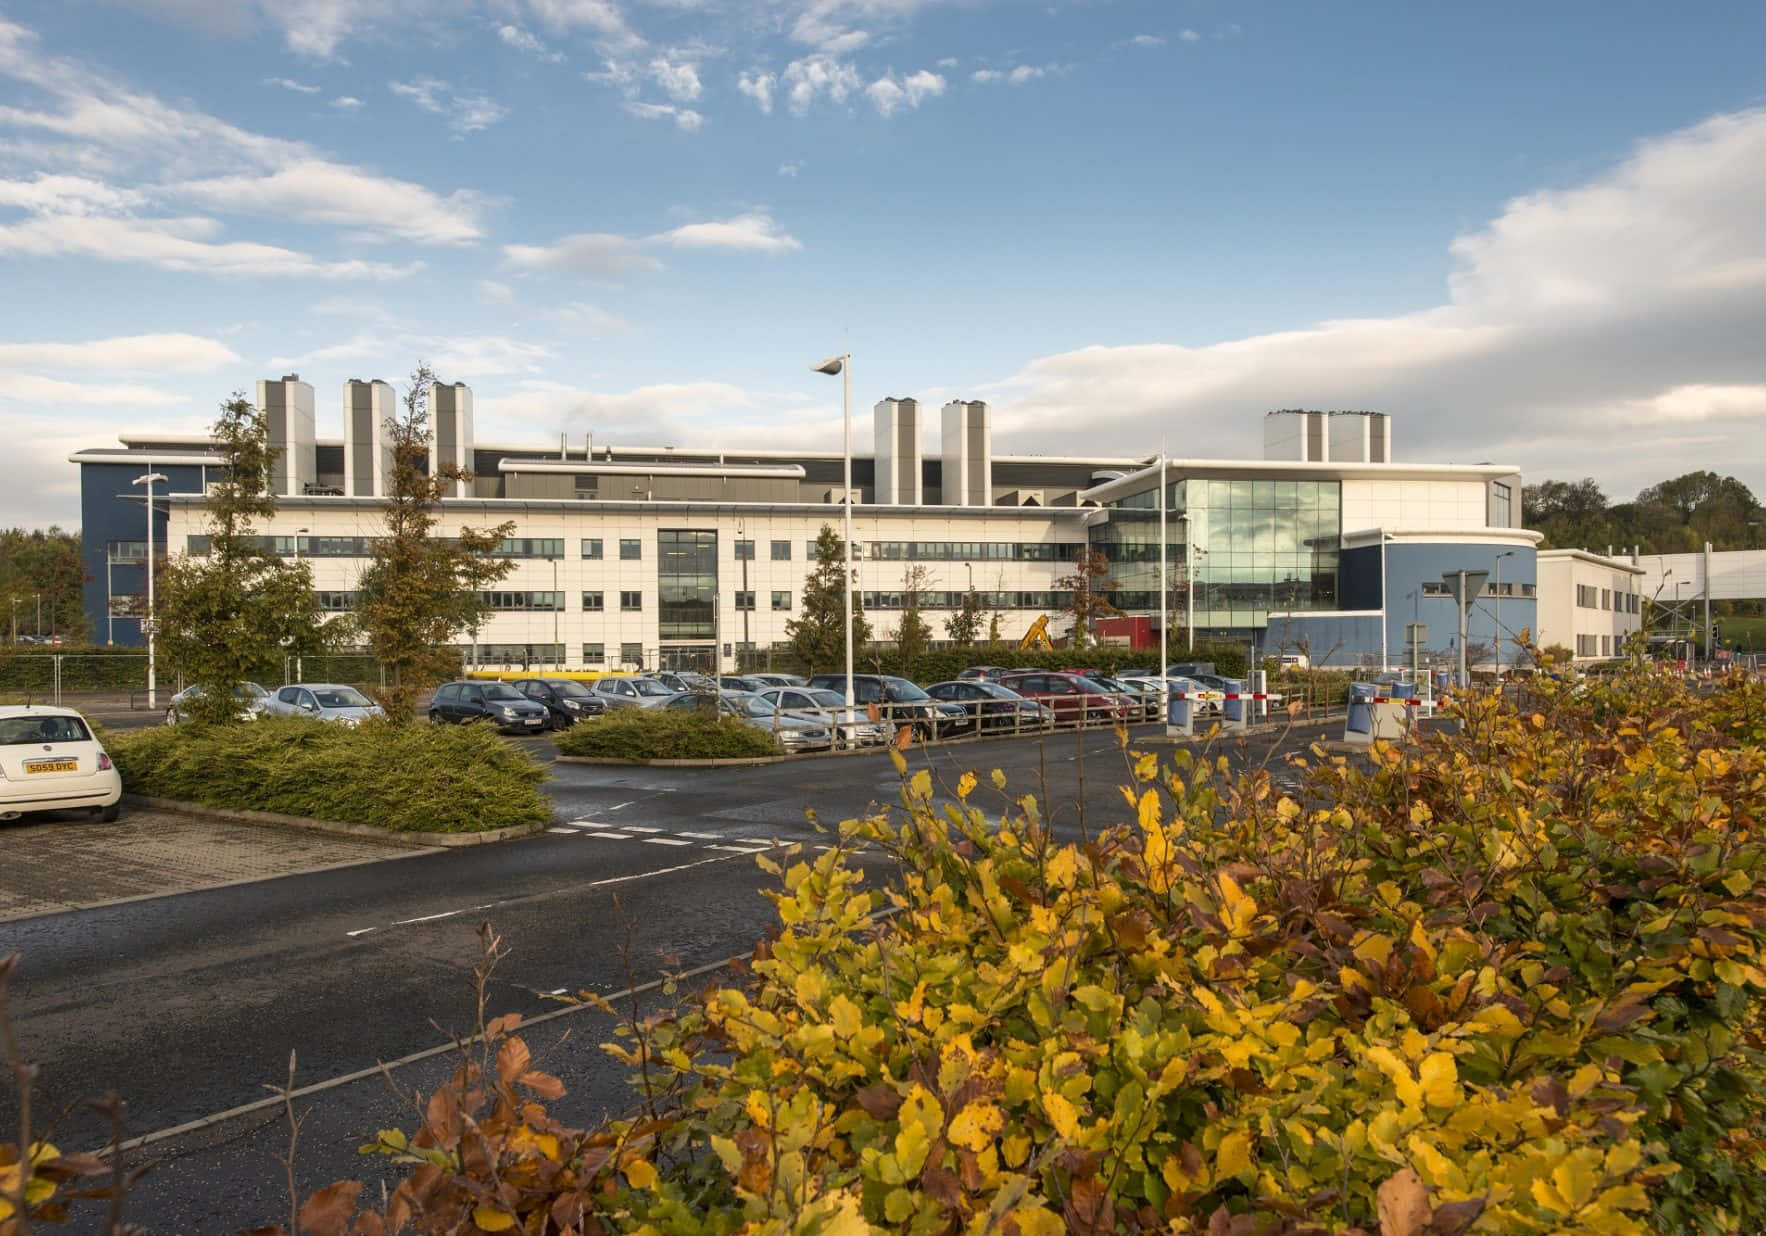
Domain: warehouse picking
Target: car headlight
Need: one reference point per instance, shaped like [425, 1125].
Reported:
[573, 705]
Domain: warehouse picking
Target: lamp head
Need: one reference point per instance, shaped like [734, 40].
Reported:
[150, 479]
[833, 365]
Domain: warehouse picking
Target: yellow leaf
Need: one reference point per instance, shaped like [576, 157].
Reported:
[1063, 868]
[965, 785]
[846, 1016]
[639, 1174]
[1233, 1156]
[1149, 810]
[976, 1126]
[491, 1219]
[1439, 1074]
[1061, 1115]
[1039, 1222]
[900, 761]
[999, 779]
[921, 784]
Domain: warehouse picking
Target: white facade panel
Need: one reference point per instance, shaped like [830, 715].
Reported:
[1588, 604]
[1442, 504]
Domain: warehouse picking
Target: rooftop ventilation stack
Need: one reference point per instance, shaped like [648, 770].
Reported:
[968, 453]
[450, 411]
[367, 448]
[896, 428]
[287, 404]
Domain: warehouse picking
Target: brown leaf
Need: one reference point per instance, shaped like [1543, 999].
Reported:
[328, 1212]
[1403, 1204]
[942, 1186]
[512, 1060]
[1621, 1014]
[1088, 1210]
[542, 1084]
[443, 1114]
[1550, 1092]
[1453, 1218]
[502, 1025]
[879, 1101]
[369, 1224]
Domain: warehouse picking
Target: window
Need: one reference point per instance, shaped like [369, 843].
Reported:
[337, 602]
[631, 654]
[631, 602]
[1606, 598]
[781, 600]
[521, 654]
[594, 654]
[1585, 645]
[122, 553]
[744, 600]
[631, 549]
[1501, 505]
[504, 602]
[781, 551]
[591, 547]
[1587, 596]
[530, 547]
[594, 603]
[1606, 645]
[686, 584]
[744, 551]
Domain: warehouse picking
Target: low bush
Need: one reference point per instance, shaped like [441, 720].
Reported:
[411, 778]
[664, 734]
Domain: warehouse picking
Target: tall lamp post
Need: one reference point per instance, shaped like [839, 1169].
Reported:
[842, 365]
[150, 625]
[1164, 595]
[1189, 571]
[1508, 553]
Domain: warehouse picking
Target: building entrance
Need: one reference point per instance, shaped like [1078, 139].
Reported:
[677, 657]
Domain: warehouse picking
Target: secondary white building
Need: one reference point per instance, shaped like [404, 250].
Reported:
[1588, 603]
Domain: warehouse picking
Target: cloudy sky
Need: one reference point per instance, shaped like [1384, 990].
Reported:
[1533, 233]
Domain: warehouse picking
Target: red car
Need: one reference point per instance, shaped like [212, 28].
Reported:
[1074, 698]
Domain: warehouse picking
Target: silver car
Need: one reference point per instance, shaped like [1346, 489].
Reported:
[253, 702]
[855, 725]
[632, 691]
[323, 701]
[794, 732]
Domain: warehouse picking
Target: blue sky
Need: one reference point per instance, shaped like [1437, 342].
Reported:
[1534, 234]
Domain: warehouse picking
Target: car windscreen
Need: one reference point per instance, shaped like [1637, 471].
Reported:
[501, 691]
[571, 687]
[900, 690]
[998, 692]
[20, 731]
[342, 697]
[754, 706]
[827, 699]
[649, 686]
[250, 691]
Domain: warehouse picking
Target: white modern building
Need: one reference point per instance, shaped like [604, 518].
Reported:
[661, 556]
[1588, 603]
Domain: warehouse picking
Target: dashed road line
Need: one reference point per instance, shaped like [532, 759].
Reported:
[666, 841]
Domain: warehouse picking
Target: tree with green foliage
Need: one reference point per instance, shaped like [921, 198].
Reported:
[231, 616]
[1087, 587]
[818, 633]
[421, 592]
[912, 635]
[964, 625]
[1675, 516]
[41, 577]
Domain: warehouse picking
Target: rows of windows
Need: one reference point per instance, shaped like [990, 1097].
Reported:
[510, 601]
[969, 551]
[1439, 588]
[520, 654]
[1594, 645]
[125, 553]
[781, 601]
[1588, 596]
[530, 547]
[929, 599]
[338, 602]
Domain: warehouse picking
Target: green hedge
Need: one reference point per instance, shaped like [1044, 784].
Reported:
[412, 778]
[86, 669]
[665, 734]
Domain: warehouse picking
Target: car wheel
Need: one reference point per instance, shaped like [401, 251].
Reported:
[108, 814]
[435, 716]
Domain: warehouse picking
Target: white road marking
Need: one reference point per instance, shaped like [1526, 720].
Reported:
[566, 831]
[621, 806]
[702, 836]
[666, 841]
[737, 849]
[611, 836]
[640, 828]
[426, 918]
[361, 931]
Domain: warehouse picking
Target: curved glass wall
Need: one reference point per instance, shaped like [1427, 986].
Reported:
[1253, 547]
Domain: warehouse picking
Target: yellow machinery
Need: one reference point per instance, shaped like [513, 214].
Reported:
[1037, 636]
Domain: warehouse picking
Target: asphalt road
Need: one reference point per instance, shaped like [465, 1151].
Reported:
[190, 1005]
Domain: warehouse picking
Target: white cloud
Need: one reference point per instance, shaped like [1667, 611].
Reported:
[888, 95]
[473, 354]
[168, 353]
[749, 233]
[346, 103]
[1635, 300]
[1192, 36]
[69, 195]
[289, 84]
[818, 76]
[342, 196]
[685, 118]
[1147, 40]
[678, 79]
[583, 318]
[29, 388]
[600, 255]
[523, 40]
[466, 113]
[1013, 77]
[497, 290]
[176, 244]
[791, 167]
[949, 62]
[655, 410]
[600, 17]
[759, 87]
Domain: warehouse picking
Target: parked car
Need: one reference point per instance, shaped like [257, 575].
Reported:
[990, 706]
[566, 700]
[253, 700]
[794, 732]
[683, 680]
[632, 691]
[982, 673]
[740, 682]
[496, 702]
[1177, 686]
[323, 701]
[853, 727]
[898, 702]
[779, 680]
[1152, 706]
[1073, 698]
[51, 761]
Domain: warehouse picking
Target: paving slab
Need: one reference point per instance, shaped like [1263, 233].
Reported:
[68, 861]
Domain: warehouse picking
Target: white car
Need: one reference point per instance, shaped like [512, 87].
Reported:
[51, 761]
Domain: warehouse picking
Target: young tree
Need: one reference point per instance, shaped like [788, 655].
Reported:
[41, 576]
[964, 625]
[818, 633]
[1086, 588]
[912, 635]
[422, 592]
[231, 616]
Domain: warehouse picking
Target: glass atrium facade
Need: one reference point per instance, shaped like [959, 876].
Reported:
[1257, 546]
[686, 585]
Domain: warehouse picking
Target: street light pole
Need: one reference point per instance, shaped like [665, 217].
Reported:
[150, 624]
[842, 365]
[1189, 570]
[1164, 597]
[1498, 639]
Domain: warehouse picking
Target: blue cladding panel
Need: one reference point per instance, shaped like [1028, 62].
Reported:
[111, 510]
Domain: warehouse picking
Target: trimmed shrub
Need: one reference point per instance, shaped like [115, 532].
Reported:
[412, 778]
[664, 734]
